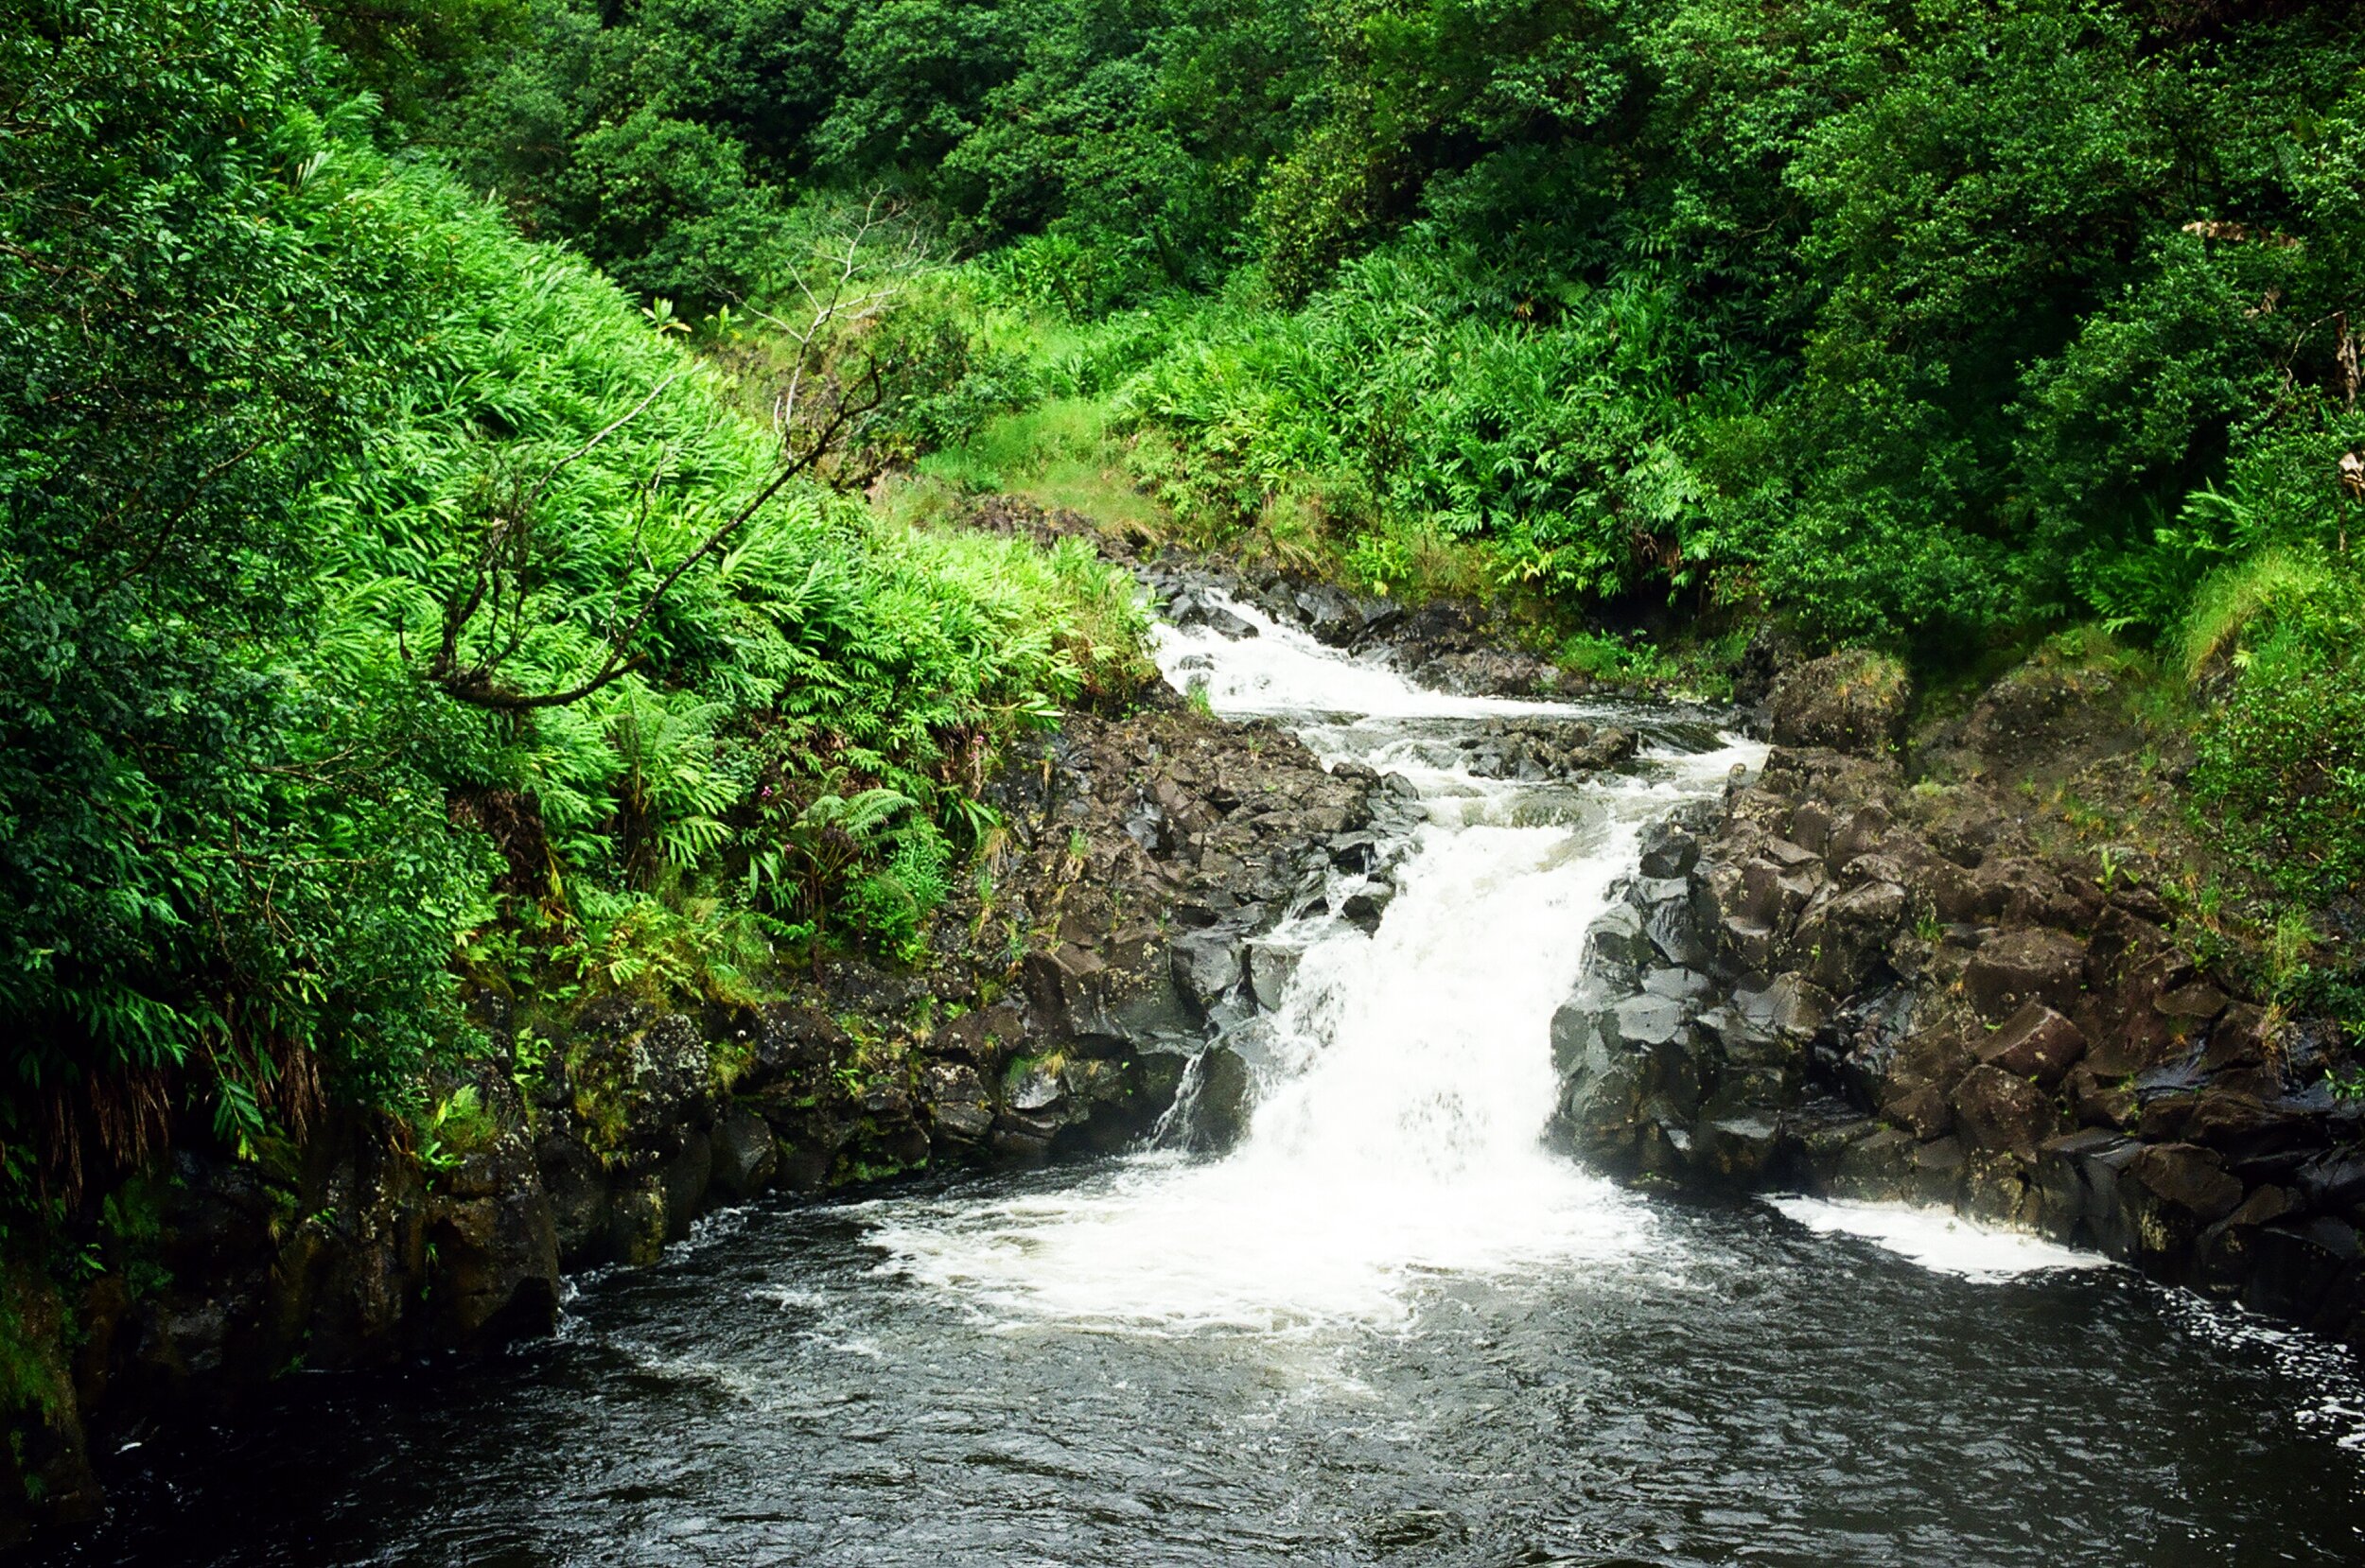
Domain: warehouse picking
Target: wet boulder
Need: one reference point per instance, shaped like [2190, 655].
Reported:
[489, 1225]
[2186, 1181]
[1669, 848]
[1363, 907]
[1189, 608]
[1216, 1100]
[2301, 1267]
[1617, 938]
[1271, 966]
[1591, 751]
[1846, 939]
[1122, 992]
[1209, 966]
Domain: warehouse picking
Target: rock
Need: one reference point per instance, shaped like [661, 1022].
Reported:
[2193, 1004]
[960, 1110]
[1366, 904]
[1330, 615]
[744, 1155]
[795, 1041]
[576, 1186]
[1601, 1107]
[1997, 1110]
[1617, 937]
[1607, 749]
[2299, 1264]
[1846, 938]
[1922, 1109]
[2042, 721]
[2190, 1181]
[2019, 967]
[1668, 849]
[2239, 1039]
[1647, 1019]
[686, 1174]
[2333, 1181]
[1996, 1188]
[2225, 1252]
[1208, 965]
[2098, 1101]
[1123, 993]
[1935, 1171]
[1216, 1100]
[1271, 968]
[1578, 1037]
[2241, 1126]
[637, 1223]
[1191, 610]
[1851, 701]
[2036, 1042]
[491, 1232]
[1737, 1148]
[1877, 1167]
[2078, 1184]
[1795, 1007]
[1033, 1083]
[1679, 985]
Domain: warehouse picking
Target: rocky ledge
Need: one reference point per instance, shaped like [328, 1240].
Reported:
[1845, 983]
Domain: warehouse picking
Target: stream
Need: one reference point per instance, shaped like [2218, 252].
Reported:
[1389, 1327]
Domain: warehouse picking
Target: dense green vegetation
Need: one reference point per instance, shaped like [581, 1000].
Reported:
[389, 597]
[1941, 324]
[386, 598]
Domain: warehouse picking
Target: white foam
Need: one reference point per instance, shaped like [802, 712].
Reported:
[1284, 671]
[1937, 1239]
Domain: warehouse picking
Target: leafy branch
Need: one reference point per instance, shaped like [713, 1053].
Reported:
[820, 408]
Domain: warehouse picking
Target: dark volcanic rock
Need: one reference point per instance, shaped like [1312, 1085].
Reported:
[1999, 1111]
[2003, 1023]
[2019, 968]
[1852, 701]
[2036, 1043]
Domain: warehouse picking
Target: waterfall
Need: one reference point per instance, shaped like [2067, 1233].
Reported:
[1406, 1075]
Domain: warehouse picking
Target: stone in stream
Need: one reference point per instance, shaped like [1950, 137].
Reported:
[1270, 967]
[1363, 907]
[1208, 965]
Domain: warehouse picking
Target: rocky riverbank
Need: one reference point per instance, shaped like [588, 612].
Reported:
[1851, 977]
[1857, 982]
[1065, 995]
[1068, 1000]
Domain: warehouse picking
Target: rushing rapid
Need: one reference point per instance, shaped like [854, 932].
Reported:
[1389, 1325]
[1406, 1075]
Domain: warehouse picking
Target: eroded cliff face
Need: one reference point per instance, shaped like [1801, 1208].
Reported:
[1844, 982]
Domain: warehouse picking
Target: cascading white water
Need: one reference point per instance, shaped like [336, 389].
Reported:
[1396, 1130]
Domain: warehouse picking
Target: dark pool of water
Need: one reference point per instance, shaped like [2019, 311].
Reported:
[1753, 1393]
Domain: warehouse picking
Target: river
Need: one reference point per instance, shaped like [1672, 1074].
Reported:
[1389, 1327]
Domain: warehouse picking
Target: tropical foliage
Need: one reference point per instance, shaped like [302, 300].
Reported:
[389, 597]
[376, 583]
